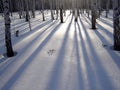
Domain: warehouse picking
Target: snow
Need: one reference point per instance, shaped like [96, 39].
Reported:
[67, 56]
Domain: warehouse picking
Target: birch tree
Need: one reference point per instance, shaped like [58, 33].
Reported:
[27, 17]
[51, 9]
[11, 7]
[116, 23]
[20, 8]
[57, 7]
[43, 10]
[99, 7]
[61, 11]
[107, 8]
[93, 14]
[33, 8]
[8, 42]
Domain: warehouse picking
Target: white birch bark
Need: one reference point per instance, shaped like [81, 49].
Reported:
[9, 49]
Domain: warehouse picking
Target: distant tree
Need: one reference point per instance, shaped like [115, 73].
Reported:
[8, 43]
[116, 23]
[27, 17]
[51, 9]
[57, 7]
[107, 8]
[43, 10]
[61, 11]
[20, 8]
[33, 7]
[93, 14]
[11, 7]
[88, 6]
[99, 7]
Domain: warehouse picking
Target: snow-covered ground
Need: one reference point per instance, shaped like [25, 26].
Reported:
[68, 56]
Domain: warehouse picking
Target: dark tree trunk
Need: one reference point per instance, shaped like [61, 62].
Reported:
[33, 8]
[61, 15]
[116, 23]
[51, 9]
[94, 16]
[107, 8]
[27, 17]
[43, 10]
[9, 49]
[11, 8]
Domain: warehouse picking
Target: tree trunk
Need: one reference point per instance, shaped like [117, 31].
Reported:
[43, 10]
[33, 8]
[8, 43]
[107, 8]
[61, 15]
[116, 23]
[11, 8]
[20, 8]
[94, 15]
[88, 7]
[51, 9]
[27, 14]
[57, 6]
[99, 8]
[27, 17]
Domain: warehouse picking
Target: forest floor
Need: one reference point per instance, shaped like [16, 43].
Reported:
[55, 56]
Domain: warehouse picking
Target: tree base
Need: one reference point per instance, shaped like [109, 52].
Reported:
[10, 55]
[75, 19]
[117, 47]
[94, 28]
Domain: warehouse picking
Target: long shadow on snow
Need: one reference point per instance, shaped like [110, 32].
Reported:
[33, 32]
[55, 75]
[88, 71]
[67, 18]
[18, 25]
[17, 22]
[41, 29]
[108, 33]
[99, 72]
[36, 27]
[81, 81]
[105, 30]
[22, 30]
[86, 19]
[38, 37]
[103, 40]
[112, 54]
[29, 60]
[104, 21]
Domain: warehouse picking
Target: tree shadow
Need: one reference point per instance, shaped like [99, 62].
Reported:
[29, 44]
[18, 22]
[36, 27]
[57, 68]
[89, 72]
[99, 26]
[101, 76]
[28, 59]
[105, 42]
[67, 17]
[86, 19]
[104, 21]
[105, 30]
[23, 32]
[108, 33]
[112, 54]
[42, 30]
[81, 81]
